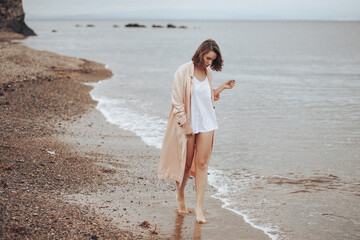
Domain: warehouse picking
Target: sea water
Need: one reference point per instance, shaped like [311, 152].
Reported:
[287, 152]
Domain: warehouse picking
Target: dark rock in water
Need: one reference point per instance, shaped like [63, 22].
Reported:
[157, 26]
[171, 26]
[115, 26]
[136, 25]
[90, 25]
[183, 27]
[12, 18]
[54, 30]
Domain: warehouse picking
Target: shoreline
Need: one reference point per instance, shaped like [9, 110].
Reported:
[121, 191]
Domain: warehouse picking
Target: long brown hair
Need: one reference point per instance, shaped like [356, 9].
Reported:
[205, 47]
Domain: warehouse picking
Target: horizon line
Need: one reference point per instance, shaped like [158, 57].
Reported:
[194, 19]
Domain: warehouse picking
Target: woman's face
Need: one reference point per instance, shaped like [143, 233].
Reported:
[209, 58]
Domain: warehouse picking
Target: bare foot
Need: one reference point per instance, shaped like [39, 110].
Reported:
[200, 216]
[181, 205]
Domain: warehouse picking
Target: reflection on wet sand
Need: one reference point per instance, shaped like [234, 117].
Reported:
[179, 222]
[197, 231]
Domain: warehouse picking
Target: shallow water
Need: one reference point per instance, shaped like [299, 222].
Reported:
[286, 155]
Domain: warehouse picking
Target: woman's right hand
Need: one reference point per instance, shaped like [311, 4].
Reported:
[187, 130]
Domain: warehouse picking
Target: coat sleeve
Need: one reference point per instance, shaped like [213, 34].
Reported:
[177, 98]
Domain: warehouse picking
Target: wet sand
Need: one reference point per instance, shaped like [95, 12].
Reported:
[67, 173]
[134, 194]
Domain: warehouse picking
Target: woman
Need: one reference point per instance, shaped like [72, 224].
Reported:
[189, 134]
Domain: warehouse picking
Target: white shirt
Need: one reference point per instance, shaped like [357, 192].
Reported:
[203, 118]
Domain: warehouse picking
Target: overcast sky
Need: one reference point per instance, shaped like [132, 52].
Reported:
[194, 9]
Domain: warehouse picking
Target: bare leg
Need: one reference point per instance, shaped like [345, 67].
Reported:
[180, 198]
[203, 153]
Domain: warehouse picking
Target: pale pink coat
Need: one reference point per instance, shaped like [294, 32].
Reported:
[174, 148]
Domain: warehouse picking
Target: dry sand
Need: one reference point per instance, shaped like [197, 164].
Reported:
[38, 92]
[74, 175]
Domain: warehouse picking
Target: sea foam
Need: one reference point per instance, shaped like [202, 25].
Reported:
[225, 185]
[149, 128]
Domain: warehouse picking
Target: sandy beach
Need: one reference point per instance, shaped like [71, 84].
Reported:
[66, 173]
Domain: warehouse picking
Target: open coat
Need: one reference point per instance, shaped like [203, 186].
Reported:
[174, 147]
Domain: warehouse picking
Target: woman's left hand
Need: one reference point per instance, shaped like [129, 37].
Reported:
[229, 84]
